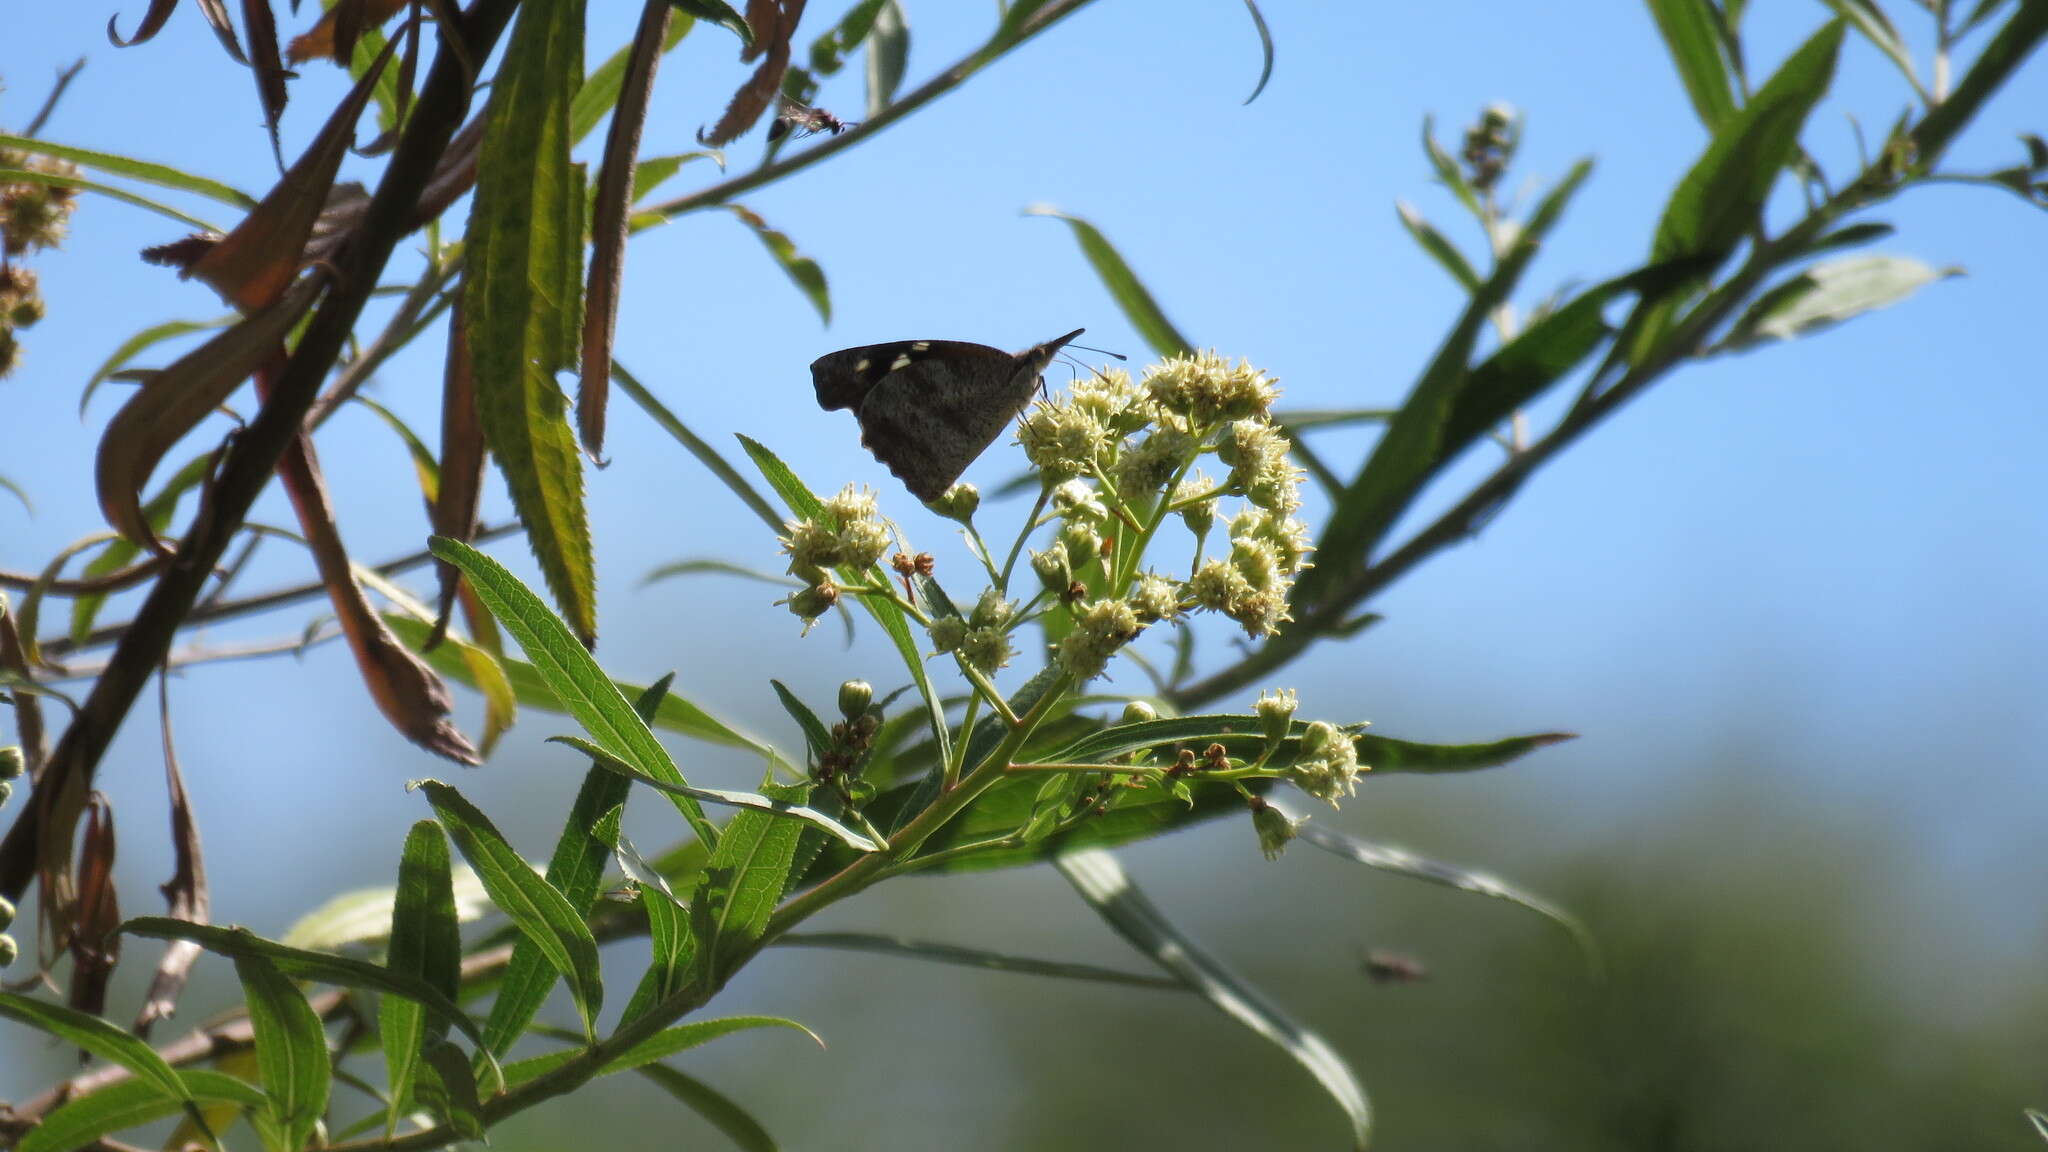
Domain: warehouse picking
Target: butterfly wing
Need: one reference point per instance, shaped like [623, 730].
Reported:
[844, 378]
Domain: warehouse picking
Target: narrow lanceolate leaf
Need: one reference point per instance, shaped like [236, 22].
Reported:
[576, 870]
[539, 910]
[982, 958]
[1103, 883]
[1827, 294]
[673, 955]
[130, 1104]
[743, 882]
[1723, 196]
[1265, 49]
[801, 269]
[1124, 286]
[10, 174]
[291, 1049]
[459, 482]
[266, 63]
[660, 1046]
[305, 964]
[695, 445]
[569, 672]
[600, 89]
[520, 296]
[175, 400]
[613, 197]
[721, 1112]
[1439, 247]
[162, 175]
[425, 943]
[1692, 35]
[888, 54]
[101, 1039]
[1869, 18]
[1414, 447]
[1401, 862]
[751, 801]
[186, 892]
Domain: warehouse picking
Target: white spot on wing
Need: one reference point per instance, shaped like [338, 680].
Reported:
[861, 365]
[900, 363]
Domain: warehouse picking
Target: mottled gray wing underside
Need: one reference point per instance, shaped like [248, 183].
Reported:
[844, 378]
[928, 420]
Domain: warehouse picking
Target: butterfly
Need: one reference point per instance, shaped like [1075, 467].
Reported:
[927, 408]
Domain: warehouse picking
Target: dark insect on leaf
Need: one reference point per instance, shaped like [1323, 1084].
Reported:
[927, 408]
[804, 120]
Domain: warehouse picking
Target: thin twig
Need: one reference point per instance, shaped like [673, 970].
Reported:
[64, 79]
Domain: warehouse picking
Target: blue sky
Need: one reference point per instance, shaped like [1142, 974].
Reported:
[1825, 554]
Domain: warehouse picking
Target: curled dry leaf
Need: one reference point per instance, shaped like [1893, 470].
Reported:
[91, 934]
[774, 22]
[330, 38]
[185, 892]
[267, 65]
[216, 14]
[608, 224]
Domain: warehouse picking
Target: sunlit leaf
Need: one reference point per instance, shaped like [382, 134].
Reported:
[425, 943]
[125, 1104]
[162, 175]
[1690, 33]
[291, 1049]
[100, 1038]
[1828, 294]
[801, 270]
[888, 54]
[1125, 288]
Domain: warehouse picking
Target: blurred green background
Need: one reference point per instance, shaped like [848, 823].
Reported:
[1791, 601]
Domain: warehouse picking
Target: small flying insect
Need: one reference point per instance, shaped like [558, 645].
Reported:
[804, 120]
[1385, 967]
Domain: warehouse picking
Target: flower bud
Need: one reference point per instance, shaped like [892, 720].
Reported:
[811, 603]
[1050, 566]
[6, 913]
[8, 951]
[1275, 828]
[947, 632]
[1138, 712]
[1276, 713]
[959, 502]
[11, 762]
[854, 698]
[1082, 543]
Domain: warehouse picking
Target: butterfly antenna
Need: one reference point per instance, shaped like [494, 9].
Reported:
[1102, 351]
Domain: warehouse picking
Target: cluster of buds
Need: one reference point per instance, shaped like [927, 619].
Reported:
[11, 764]
[982, 639]
[33, 215]
[839, 765]
[848, 534]
[1490, 145]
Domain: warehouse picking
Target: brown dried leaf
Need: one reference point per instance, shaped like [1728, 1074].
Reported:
[608, 224]
[251, 266]
[405, 690]
[265, 62]
[764, 17]
[454, 512]
[335, 35]
[174, 401]
[152, 23]
[185, 892]
[94, 943]
[759, 91]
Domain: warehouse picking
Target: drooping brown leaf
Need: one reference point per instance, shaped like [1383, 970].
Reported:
[336, 33]
[215, 11]
[406, 691]
[251, 265]
[185, 892]
[454, 511]
[94, 943]
[608, 224]
[181, 254]
[771, 42]
[268, 66]
[174, 401]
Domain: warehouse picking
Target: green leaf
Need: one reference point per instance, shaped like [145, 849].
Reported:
[531, 691]
[750, 801]
[1722, 197]
[452, 1090]
[1414, 447]
[659, 1046]
[1827, 294]
[303, 964]
[813, 728]
[541, 913]
[801, 270]
[577, 871]
[2039, 1120]
[130, 1104]
[705, 453]
[1401, 862]
[1850, 237]
[568, 670]
[673, 955]
[291, 1050]
[1102, 882]
[19, 493]
[981, 958]
[889, 54]
[885, 612]
[1876, 27]
[162, 175]
[743, 882]
[426, 944]
[13, 175]
[522, 299]
[1692, 34]
[103, 1040]
[363, 915]
[828, 52]
[654, 171]
[1265, 49]
[1447, 171]
[1439, 247]
[739, 1127]
[719, 13]
[1124, 286]
[600, 90]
